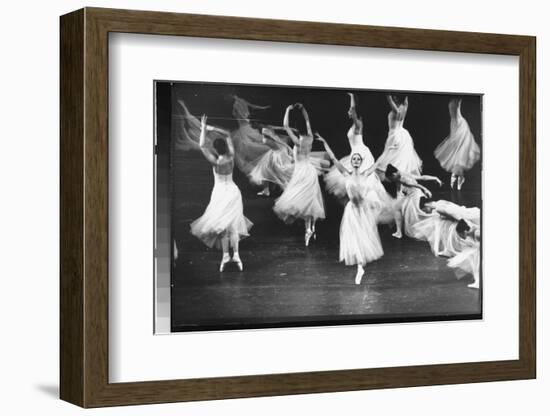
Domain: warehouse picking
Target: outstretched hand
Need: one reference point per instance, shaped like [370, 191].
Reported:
[299, 106]
[439, 181]
[319, 137]
[427, 193]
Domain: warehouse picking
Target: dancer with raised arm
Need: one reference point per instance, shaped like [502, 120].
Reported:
[359, 239]
[459, 152]
[275, 166]
[406, 192]
[399, 148]
[223, 223]
[302, 197]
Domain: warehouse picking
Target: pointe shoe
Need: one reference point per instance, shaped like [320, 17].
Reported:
[474, 285]
[461, 180]
[307, 237]
[226, 259]
[237, 260]
[264, 192]
[359, 276]
[397, 234]
[453, 180]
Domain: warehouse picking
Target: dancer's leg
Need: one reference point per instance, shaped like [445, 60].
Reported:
[475, 283]
[225, 249]
[360, 273]
[235, 247]
[460, 182]
[453, 180]
[265, 190]
[398, 223]
[308, 231]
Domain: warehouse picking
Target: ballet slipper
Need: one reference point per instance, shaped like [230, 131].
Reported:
[307, 237]
[237, 260]
[264, 192]
[397, 234]
[453, 180]
[359, 275]
[461, 180]
[474, 284]
[225, 259]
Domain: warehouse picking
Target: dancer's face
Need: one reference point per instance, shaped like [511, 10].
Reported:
[356, 160]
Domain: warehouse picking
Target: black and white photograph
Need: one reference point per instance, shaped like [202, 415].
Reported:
[285, 206]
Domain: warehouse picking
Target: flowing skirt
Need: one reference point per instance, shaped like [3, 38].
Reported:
[249, 149]
[441, 234]
[467, 261]
[412, 214]
[399, 151]
[223, 216]
[459, 151]
[275, 166]
[302, 197]
[359, 239]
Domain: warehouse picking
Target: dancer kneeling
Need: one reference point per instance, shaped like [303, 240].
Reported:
[223, 223]
[359, 239]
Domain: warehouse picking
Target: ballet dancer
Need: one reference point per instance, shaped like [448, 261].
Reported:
[399, 148]
[406, 191]
[359, 239]
[222, 223]
[467, 261]
[302, 197]
[458, 152]
[275, 166]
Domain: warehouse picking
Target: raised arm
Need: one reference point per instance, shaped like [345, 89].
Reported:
[286, 125]
[330, 153]
[352, 112]
[392, 104]
[428, 178]
[306, 118]
[206, 151]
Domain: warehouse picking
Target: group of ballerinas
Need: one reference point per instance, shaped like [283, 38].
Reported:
[265, 156]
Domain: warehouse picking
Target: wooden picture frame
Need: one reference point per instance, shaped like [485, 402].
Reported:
[84, 207]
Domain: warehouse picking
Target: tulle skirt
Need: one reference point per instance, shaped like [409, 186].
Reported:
[223, 216]
[402, 156]
[249, 149]
[275, 166]
[412, 214]
[359, 239]
[459, 151]
[467, 261]
[441, 234]
[302, 197]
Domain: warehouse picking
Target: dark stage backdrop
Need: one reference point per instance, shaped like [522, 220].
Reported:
[427, 121]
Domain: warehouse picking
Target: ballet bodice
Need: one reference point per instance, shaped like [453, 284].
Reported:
[303, 150]
[356, 189]
[222, 177]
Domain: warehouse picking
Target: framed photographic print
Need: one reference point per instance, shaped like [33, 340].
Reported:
[322, 193]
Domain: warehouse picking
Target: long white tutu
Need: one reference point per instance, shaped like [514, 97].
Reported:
[458, 152]
[223, 216]
[402, 156]
[249, 148]
[468, 260]
[275, 166]
[441, 234]
[302, 197]
[359, 239]
[412, 214]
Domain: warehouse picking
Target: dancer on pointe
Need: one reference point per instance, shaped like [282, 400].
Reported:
[459, 152]
[399, 148]
[222, 223]
[359, 239]
[302, 197]
[406, 192]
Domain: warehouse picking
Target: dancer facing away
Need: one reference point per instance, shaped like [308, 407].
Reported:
[405, 193]
[399, 148]
[458, 152]
[335, 182]
[302, 197]
[222, 223]
[468, 260]
[359, 239]
[275, 166]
